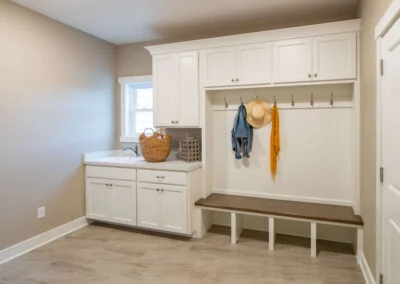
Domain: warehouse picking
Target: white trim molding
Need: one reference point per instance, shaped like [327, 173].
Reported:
[391, 14]
[264, 36]
[366, 271]
[26, 246]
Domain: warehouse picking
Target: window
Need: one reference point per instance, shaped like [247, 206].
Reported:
[136, 106]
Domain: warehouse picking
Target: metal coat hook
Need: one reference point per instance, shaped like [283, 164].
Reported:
[331, 99]
[312, 100]
[292, 100]
[226, 103]
[241, 100]
[274, 100]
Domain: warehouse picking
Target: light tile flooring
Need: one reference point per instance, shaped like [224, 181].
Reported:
[105, 254]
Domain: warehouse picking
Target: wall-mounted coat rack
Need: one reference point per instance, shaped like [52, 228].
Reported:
[329, 103]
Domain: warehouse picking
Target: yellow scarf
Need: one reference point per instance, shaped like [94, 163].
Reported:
[275, 144]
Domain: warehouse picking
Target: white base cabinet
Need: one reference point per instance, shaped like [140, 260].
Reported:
[163, 207]
[155, 199]
[111, 200]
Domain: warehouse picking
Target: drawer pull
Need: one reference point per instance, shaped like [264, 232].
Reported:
[160, 177]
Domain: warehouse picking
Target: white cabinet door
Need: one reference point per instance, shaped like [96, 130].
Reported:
[220, 67]
[254, 64]
[164, 70]
[187, 90]
[123, 202]
[293, 60]
[97, 206]
[148, 206]
[174, 209]
[334, 57]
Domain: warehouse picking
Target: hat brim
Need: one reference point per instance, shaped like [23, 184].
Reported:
[257, 123]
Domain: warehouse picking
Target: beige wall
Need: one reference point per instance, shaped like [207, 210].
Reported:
[370, 11]
[56, 103]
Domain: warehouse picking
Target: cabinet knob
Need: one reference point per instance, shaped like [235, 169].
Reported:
[162, 190]
[172, 121]
[237, 79]
[309, 75]
[233, 80]
[315, 75]
[176, 121]
[158, 189]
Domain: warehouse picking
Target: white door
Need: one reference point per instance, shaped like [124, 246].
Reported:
[188, 90]
[220, 67]
[97, 198]
[254, 64]
[293, 60]
[334, 57]
[391, 155]
[164, 70]
[148, 206]
[174, 209]
[123, 202]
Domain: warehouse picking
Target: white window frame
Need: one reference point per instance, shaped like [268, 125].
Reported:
[124, 82]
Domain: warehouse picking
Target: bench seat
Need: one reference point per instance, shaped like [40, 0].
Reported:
[293, 210]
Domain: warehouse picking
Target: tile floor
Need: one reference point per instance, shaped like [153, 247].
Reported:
[106, 254]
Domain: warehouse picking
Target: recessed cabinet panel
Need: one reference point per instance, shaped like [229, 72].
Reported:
[164, 85]
[293, 60]
[188, 89]
[220, 67]
[254, 64]
[335, 57]
[148, 214]
[96, 199]
[174, 209]
[124, 202]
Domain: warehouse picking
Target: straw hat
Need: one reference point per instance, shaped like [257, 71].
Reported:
[258, 113]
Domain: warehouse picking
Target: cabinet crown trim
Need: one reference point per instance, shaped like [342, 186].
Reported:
[257, 37]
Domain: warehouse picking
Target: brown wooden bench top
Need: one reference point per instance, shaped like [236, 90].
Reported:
[290, 209]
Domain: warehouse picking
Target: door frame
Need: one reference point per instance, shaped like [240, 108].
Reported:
[385, 23]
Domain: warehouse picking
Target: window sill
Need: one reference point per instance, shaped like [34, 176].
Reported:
[129, 139]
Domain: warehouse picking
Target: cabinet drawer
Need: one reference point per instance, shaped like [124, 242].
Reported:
[162, 177]
[111, 173]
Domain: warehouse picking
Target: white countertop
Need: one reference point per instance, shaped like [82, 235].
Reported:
[119, 158]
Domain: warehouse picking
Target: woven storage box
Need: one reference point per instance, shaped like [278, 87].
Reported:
[189, 150]
[155, 148]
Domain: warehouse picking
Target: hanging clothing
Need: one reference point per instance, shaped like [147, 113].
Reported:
[275, 143]
[242, 134]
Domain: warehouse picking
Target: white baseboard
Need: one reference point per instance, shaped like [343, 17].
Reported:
[368, 276]
[23, 247]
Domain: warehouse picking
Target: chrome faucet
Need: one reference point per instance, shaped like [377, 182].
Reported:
[134, 149]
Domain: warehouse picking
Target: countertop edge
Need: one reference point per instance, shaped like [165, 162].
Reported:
[148, 166]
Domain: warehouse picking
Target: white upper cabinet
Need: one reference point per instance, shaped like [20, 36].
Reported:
[241, 65]
[334, 57]
[322, 58]
[220, 64]
[254, 64]
[176, 90]
[164, 88]
[187, 113]
[293, 60]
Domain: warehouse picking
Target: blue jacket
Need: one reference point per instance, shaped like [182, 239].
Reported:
[242, 134]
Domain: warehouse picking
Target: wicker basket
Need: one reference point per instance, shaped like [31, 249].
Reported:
[155, 148]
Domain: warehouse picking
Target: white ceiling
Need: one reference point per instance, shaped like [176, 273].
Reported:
[127, 21]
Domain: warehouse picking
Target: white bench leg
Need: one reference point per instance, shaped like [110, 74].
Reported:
[313, 240]
[236, 227]
[360, 240]
[271, 231]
